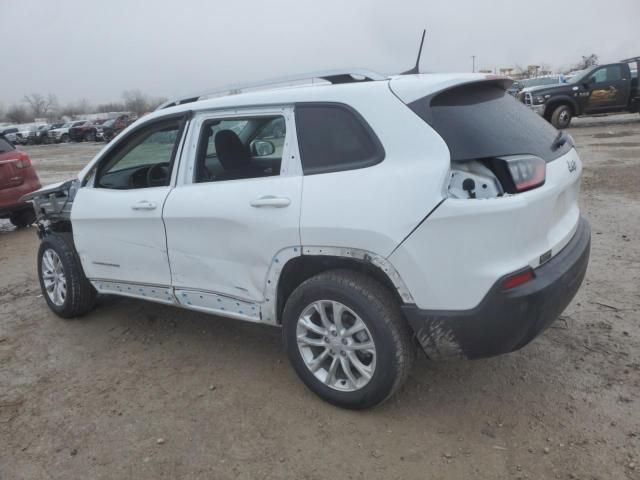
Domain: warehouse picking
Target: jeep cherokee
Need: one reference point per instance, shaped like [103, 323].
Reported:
[363, 215]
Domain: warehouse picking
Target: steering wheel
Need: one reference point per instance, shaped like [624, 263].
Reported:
[157, 174]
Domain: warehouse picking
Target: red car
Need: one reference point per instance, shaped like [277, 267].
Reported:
[17, 178]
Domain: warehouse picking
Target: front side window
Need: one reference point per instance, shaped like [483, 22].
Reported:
[334, 138]
[141, 160]
[611, 73]
[240, 148]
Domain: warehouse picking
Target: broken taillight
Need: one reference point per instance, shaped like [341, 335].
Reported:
[520, 172]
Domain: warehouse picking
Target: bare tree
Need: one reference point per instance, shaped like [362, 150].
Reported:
[80, 107]
[18, 114]
[39, 105]
[587, 62]
[110, 107]
[135, 101]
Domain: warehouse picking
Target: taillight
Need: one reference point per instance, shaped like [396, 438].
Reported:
[517, 279]
[527, 173]
[23, 162]
[519, 173]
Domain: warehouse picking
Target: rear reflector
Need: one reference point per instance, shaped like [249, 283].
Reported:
[518, 279]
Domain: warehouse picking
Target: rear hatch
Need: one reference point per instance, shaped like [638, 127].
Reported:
[512, 192]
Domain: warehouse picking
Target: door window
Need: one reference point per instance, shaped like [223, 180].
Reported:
[612, 73]
[240, 148]
[143, 159]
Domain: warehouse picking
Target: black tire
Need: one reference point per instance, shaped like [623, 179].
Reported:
[64, 138]
[23, 218]
[90, 137]
[379, 310]
[80, 295]
[561, 116]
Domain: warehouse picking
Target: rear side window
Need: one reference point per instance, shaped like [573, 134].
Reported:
[333, 138]
[481, 120]
[5, 146]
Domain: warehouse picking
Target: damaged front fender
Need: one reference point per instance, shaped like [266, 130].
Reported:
[52, 204]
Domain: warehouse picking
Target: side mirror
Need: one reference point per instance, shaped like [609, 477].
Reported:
[262, 148]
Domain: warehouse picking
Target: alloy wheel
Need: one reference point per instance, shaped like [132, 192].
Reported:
[336, 345]
[55, 282]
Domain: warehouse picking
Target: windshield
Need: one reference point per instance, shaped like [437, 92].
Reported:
[580, 76]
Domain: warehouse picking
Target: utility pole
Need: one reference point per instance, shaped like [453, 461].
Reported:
[474, 63]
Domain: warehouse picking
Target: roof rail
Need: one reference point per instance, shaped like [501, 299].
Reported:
[630, 60]
[331, 76]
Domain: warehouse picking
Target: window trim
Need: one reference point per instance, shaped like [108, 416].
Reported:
[92, 175]
[379, 151]
[290, 165]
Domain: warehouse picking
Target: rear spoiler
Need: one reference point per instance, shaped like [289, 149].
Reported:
[413, 87]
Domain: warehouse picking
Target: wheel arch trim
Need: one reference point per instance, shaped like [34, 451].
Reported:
[269, 308]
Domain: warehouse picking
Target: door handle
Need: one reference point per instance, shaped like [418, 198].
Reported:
[144, 205]
[270, 201]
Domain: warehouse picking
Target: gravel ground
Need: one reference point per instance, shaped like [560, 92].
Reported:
[138, 390]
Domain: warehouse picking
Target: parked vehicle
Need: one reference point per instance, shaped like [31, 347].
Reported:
[602, 89]
[22, 135]
[10, 134]
[527, 83]
[17, 178]
[109, 129]
[61, 134]
[84, 131]
[40, 135]
[461, 230]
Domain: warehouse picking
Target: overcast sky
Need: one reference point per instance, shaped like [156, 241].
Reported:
[95, 50]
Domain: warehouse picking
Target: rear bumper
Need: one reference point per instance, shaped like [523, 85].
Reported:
[505, 321]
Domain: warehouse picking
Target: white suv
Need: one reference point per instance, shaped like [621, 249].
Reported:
[363, 215]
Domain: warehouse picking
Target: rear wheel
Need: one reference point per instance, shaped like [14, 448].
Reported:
[347, 339]
[561, 116]
[62, 281]
[23, 218]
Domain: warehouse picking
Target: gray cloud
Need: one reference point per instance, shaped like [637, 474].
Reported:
[95, 50]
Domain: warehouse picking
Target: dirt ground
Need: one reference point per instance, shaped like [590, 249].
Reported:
[143, 391]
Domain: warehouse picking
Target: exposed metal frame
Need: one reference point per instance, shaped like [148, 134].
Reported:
[331, 76]
[264, 311]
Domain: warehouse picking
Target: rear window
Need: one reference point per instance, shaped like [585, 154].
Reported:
[482, 121]
[334, 138]
[5, 146]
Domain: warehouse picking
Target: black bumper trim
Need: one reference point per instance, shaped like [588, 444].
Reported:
[505, 321]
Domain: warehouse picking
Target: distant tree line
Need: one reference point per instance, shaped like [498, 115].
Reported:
[37, 105]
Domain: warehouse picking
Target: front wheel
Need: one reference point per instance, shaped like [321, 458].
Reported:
[346, 338]
[561, 117]
[62, 281]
